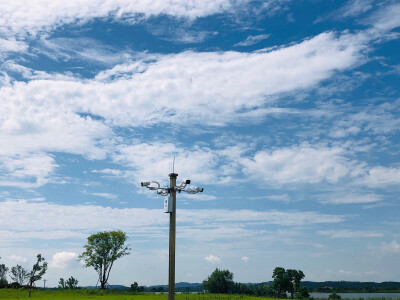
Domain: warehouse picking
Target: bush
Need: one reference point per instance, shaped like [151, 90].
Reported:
[334, 296]
[302, 293]
[3, 283]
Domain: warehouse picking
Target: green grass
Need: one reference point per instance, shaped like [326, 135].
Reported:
[13, 294]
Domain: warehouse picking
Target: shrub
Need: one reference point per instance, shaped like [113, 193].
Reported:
[334, 296]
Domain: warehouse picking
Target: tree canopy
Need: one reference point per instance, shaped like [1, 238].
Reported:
[19, 274]
[3, 272]
[220, 281]
[102, 250]
[70, 283]
[287, 281]
[38, 270]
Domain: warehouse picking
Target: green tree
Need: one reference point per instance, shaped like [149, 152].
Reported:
[294, 276]
[38, 270]
[302, 292]
[19, 274]
[61, 284]
[220, 281]
[3, 272]
[71, 283]
[102, 250]
[134, 287]
[281, 282]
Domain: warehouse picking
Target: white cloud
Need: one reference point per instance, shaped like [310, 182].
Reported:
[185, 88]
[198, 197]
[12, 45]
[211, 85]
[153, 161]
[349, 234]
[245, 259]
[27, 171]
[18, 259]
[253, 39]
[63, 259]
[37, 123]
[109, 172]
[352, 198]
[299, 164]
[392, 248]
[43, 221]
[386, 18]
[104, 195]
[283, 198]
[380, 177]
[356, 7]
[213, 259]
[86, 49]
[32, 17]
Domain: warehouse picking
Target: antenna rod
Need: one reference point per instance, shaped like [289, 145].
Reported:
[173, 166]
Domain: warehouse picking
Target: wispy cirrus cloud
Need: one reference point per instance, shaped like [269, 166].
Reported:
[351, 8]
[31, 18]
[103, 195]
[82, 49]
[79, 220]
[347, 234]
[350, 198]
[252, 39]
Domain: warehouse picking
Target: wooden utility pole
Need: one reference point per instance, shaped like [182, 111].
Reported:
[172, 234]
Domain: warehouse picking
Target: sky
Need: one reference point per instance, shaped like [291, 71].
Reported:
[286, 113]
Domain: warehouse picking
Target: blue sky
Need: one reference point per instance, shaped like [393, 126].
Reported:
[286, 112]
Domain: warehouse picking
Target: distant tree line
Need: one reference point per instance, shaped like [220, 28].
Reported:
[285, 281]
[352, 286]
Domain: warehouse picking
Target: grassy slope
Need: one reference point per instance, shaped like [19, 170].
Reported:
[11, 294]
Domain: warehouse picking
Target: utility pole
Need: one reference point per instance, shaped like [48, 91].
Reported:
[172, 235]
[170, 207]
[44, 283]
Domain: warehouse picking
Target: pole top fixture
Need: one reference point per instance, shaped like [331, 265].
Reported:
[173, 175]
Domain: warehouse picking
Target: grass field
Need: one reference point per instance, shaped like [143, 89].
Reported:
[13, 294]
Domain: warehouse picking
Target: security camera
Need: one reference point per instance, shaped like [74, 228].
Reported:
[191, 191]
[198, 189]
[145, 183]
